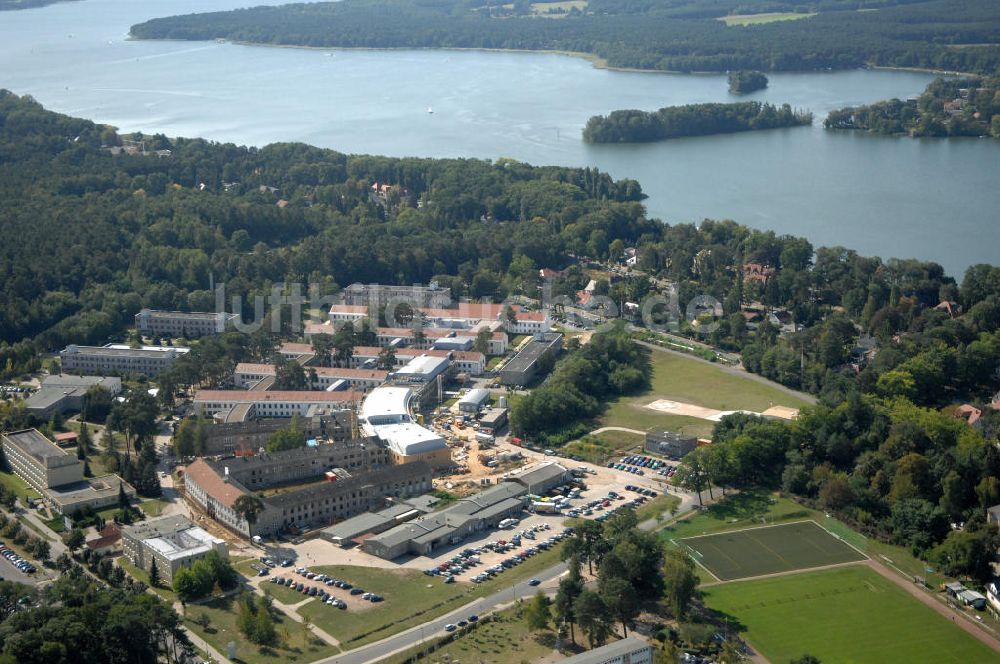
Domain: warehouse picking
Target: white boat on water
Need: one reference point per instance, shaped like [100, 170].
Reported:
[430, 110]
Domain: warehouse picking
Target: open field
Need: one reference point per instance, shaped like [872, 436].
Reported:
[503, 639]
[850, 614]
[601, 448]
[763, 550]
[411, 598]
[295, 643]
[679, 378]
[758, 19]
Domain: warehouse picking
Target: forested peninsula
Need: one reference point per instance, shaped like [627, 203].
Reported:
[632, 126]
[955, 107]
[678, 35]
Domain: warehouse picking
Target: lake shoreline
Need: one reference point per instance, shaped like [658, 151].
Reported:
[595, 60]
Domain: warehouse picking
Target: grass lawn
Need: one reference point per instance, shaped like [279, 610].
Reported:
[849, 614]
[768, 17]
[286, 595]
[680, 378]
[152, 506]
[768, 549]
[659, 506]
[56, 524]
[17, 486]
[411, 598]
[295, 644]
[501, 640]
[602, 447]
[165, 593]
[41, 534]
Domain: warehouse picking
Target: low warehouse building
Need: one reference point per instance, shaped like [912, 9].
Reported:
[64, 392]
[493, 421]
[424, 535]
[370, 523]
[534, 358]
[669, 444]
[542, 478]
[473, 400]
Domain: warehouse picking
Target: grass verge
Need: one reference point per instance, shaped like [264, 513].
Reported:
[850, 614]
[296, 644]
[411, 598]
[501, 639]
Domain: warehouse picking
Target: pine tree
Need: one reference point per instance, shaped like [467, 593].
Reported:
[83, 441]
[122, 496]
[154, 575]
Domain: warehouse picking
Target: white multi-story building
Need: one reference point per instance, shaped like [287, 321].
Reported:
[188, 324]
[379, 295]
[58, 475]
[341, 314]
[118, 359]
[40, 462]
[248, 374]
[280, 403]
[174, 542]
[626, 651]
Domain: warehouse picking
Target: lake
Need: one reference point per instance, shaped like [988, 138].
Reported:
[925, 198]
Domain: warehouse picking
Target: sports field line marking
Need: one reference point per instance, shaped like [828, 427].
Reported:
[772, 551]
[743, 530]
[838, 537]
[691, 550]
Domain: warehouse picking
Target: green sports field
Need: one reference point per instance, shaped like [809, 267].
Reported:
[769, 549]
[848, 615]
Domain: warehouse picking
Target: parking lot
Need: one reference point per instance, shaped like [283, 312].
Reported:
[15, 568]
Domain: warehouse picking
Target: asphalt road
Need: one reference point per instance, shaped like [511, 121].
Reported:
[434, 628]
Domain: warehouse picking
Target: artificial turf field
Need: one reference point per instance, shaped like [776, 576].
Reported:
[848, 615]
[769, 549]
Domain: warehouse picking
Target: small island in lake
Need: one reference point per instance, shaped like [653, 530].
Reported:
[743, 82]
[632, 126]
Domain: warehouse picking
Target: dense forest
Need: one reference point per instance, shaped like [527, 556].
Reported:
[953, 107]
[632, 126]
[681, 35]
[76, 620]
[562, 407]
[743, 82]
[912, 476]
[101, 235]
[10, 5]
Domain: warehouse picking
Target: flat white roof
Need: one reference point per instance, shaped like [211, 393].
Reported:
[179, 349]
[188, 542]
[383, 401]
[477, 396]
[408, 438]
[424, 365]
